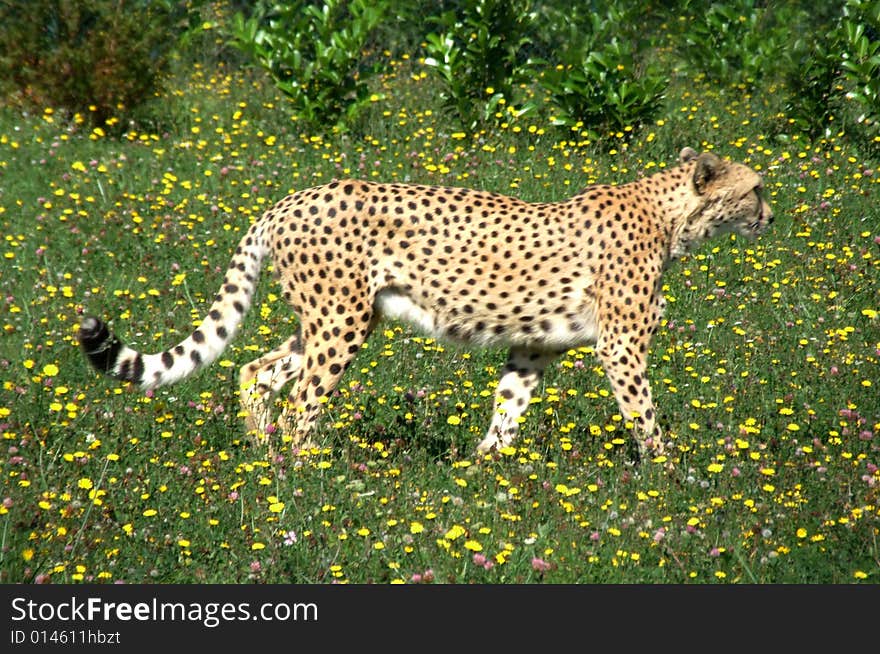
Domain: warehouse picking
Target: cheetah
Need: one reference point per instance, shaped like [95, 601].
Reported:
[467, 265]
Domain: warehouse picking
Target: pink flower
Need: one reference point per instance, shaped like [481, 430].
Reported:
[425, 577]
[540, 565]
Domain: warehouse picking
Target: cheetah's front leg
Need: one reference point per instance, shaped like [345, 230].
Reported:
[520, 376]
[625, 362]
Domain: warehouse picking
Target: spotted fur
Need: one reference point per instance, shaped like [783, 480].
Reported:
[460, 264]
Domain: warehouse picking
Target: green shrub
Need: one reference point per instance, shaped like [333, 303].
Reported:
[95, 58]
[736, 42]
[601, 81]
[314, 53]
[812, 75]
[861, 61]
[477, 56]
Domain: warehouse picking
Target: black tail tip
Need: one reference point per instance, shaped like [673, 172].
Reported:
[100, 346]
[92, 331]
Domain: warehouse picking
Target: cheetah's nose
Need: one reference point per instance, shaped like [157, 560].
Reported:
[766, 216]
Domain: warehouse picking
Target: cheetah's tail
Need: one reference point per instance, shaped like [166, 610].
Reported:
[111, 356]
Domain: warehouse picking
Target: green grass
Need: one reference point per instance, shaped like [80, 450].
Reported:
[765, 370]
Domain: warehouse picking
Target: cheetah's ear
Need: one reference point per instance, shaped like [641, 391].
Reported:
[687, 154]
[708, 168]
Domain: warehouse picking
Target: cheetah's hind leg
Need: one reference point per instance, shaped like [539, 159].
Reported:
[262, 379]
[519, 377]
[323, 363]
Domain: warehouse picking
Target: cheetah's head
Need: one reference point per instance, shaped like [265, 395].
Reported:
[729, 198]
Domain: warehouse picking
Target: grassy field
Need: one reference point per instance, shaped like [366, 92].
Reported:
[766, 369]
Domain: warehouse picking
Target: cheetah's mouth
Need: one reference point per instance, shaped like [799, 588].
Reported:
[760, 224]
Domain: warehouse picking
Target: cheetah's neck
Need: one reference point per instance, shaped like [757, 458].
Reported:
[679, 205]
